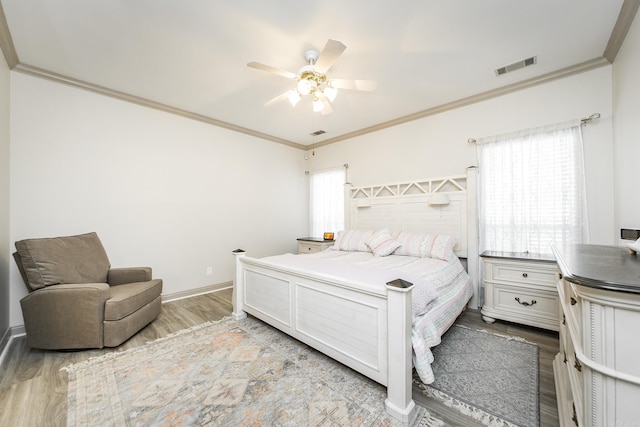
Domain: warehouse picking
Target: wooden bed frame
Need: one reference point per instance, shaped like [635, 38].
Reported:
[364, 327]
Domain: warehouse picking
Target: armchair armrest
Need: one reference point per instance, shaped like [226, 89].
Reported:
[119, 276]
[65, 316]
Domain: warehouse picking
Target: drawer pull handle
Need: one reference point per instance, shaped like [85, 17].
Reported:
[577, 363]
[573, 301]
[526, 304]
[525, 275]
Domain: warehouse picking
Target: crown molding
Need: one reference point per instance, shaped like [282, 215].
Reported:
[6, 42]
[484, 96]
[59, 78]
[625, 18]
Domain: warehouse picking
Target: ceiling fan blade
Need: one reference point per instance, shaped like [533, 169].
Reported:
[281, 97]
[330, 53]
[364, 85]
[270, 69]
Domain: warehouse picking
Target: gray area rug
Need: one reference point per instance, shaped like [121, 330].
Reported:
[226, 373]
[491, 378]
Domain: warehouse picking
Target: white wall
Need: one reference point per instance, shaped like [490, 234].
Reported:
[5, 254]
[626, 130]
[437, 146]
[161, 190]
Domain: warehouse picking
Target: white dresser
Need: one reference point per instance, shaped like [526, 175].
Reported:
[520, 287]
[597, 371]
[308, 245]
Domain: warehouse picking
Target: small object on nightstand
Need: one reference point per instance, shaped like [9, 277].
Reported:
[328, 236]
[308, 245]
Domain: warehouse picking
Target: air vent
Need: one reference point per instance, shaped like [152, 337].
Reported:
[516, 65]
[317, 133]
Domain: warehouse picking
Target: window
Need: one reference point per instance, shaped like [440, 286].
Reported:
[326, 201]
[532, 191]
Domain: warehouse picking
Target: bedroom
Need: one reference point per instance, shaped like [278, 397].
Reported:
[182, 218]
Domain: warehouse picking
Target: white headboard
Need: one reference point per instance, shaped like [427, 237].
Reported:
[405, 207]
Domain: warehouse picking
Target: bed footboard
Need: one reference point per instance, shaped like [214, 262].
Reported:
[366, 328]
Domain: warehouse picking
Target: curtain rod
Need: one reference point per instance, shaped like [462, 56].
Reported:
[583, 122]
[346, 166]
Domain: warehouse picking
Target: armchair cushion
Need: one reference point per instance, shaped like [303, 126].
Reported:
[127, 298]
[59, 260]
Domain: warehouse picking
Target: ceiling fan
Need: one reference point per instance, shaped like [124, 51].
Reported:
[312, 79]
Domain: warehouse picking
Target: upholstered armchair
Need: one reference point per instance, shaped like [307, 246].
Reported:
[76, 300]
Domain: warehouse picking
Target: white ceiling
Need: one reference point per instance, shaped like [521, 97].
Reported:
[191, 55]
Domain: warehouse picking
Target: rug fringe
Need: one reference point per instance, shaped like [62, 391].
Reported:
[479, 415]
[109, 356]
[429, 421]
[508, 337]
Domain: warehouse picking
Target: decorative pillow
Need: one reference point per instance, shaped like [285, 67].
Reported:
[442, 246]
[425, 245]
[353, 241]
[69, 259]
[382, 243]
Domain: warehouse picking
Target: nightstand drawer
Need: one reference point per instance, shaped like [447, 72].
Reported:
[309, 246]
[526, 302]
[305, 248]
[521, 273]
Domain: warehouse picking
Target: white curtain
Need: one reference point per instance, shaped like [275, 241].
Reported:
[326, 201]
[532, 191]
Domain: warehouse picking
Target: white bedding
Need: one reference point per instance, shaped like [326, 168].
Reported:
[441, 289]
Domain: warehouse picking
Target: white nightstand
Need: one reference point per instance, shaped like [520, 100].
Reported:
[308, 245]
[521, 288]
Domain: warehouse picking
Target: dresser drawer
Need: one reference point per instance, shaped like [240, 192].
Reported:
[514, 272]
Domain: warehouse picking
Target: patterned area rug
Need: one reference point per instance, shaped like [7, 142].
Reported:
[491, 378]
[226, 373]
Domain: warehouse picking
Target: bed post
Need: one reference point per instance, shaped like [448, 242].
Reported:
[238, 287]
[347, 205]
[399, 401]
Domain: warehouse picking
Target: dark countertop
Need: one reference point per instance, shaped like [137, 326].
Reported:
[519, 256]
[313, 239]
[605, 267]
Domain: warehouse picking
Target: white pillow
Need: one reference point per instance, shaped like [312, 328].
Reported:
[382, 243]
[353, 241]
[425, 245]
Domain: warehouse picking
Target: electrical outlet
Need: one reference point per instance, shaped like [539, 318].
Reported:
[209, 271]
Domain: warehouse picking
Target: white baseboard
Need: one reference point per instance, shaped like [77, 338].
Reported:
[8, 337]
[194, 292]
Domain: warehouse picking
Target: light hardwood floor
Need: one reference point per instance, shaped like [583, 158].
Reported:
[33, 390]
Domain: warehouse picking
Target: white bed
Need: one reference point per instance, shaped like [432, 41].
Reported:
[348, 303]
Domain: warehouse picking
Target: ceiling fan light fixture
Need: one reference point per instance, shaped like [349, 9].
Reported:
[294, 97]
[330, 92]
[318, 106]
[306, 86]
